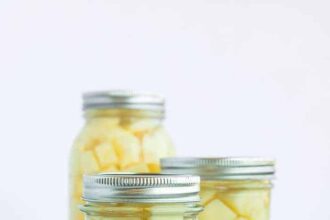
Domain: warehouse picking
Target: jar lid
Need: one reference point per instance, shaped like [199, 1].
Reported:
[224, 168]
[141, 188]
[126, 99]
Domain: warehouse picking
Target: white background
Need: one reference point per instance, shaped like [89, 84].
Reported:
[241, 78]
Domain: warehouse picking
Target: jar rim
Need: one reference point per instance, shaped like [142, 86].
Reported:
[123, 99]
[221, 168]
[141, 188]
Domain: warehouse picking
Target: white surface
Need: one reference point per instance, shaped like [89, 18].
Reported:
[241, 78]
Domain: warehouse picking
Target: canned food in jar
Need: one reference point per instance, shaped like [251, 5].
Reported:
[231, 188]
[123, 132]
[141, 197]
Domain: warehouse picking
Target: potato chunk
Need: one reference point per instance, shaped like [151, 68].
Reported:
[155, 146]
[106, 154]
[216, 210]
[250, 203]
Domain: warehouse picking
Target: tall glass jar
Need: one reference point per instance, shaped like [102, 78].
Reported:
[123, 132]
[231, 188]
[141, 197]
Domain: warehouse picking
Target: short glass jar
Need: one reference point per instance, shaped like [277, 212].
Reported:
[123, 132]
[141, 197]
[231, 188]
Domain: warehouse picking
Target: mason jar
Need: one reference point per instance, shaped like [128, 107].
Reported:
[141, 197]
[231, 188]
[123, 132]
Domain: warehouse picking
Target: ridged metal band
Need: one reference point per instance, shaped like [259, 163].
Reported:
[141, 188]
[226, 168]
[125, 99]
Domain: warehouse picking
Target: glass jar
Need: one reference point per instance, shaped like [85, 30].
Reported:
[123, 132]
[141, 197]
[231, 188]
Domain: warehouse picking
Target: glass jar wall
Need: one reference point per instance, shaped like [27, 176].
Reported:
[244, 200]
[141, 197]
[112, 211]
[231, 188]
[123, 132]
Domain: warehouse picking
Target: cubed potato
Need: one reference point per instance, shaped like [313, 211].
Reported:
[137, 168]
[155, 146]
[144, 125]
[88, 162]
[249, 203]
[106, 154]
[216, 210]
[127, 147]
[207, 196]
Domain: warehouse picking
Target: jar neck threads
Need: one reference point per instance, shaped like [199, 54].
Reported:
[143, 211]
[122, 113]
[232, 185]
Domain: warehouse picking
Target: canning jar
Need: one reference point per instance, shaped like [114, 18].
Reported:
[123, 132]
[231, 188]
[141, 197]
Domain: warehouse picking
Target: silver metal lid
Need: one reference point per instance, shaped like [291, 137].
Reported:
[225, 168]
[141, 188]
[123, 99]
